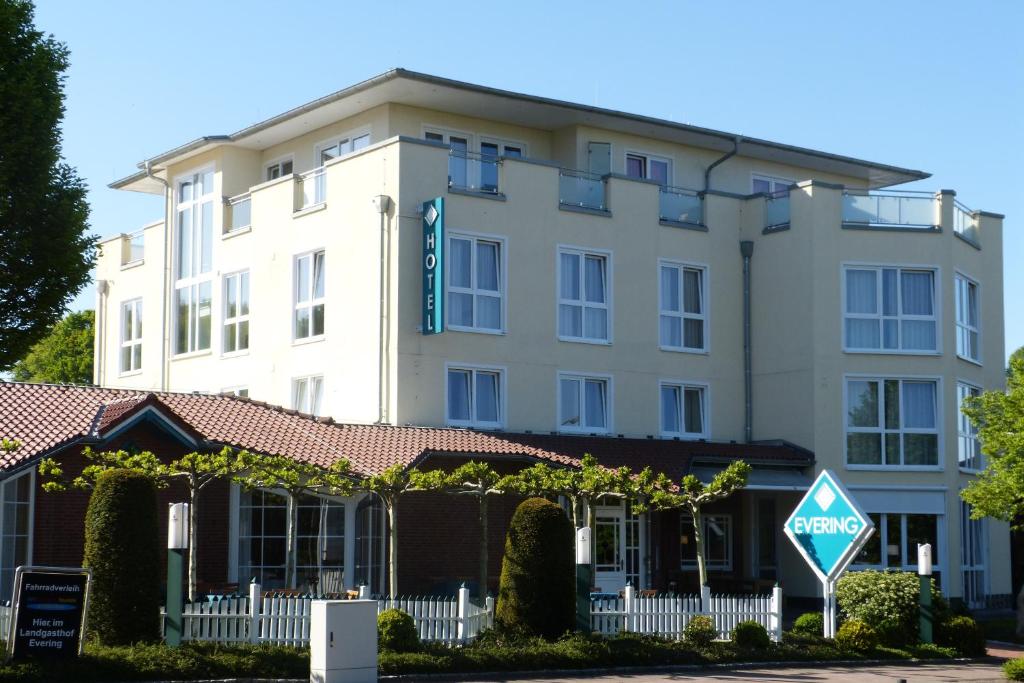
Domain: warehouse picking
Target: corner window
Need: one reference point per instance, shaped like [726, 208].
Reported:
[336, 148]
[649, 167]
[583, 300]
[475, 397]
[967, 319]
[236, 312]
[682, 292]
[892, 422]
[308, 394]
[584, 404]
[684, 410]
[717, 542]
[968, 445]
[309, 295]
[890, 310]
[475, 284]
[131, 336]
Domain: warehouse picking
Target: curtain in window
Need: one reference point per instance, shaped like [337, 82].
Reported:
[458, 395]
[659, 171]
[570, 318]
[487, 397]
[570, 402]
[861, 298]
[694, 413]
[488, 307]
[595, 319]
[692, 295]
[917, 299]
[595, 403]
[919, 405]
[670, 326]
[670, 409]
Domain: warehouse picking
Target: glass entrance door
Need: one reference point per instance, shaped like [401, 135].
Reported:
[609, 550]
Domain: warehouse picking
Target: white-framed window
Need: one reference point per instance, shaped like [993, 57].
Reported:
[17, 503]
[475, 397]
[236, 312]
[768, 184]
[717, 541]
[490, 151]
[973, 557]
[968, 320]
[892, 422]
[276, 169]
[332, 149]
[584, 403]
[894, 543]
[684, 409]
[968, 446]
[649, 167]
[193, 262]
[890, 309]
[308, 394]
[310, 301]
[682, 303]
[476, 283]
[584, 295]
[131, 336]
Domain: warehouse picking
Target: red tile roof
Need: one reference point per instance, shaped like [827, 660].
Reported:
[46, 418]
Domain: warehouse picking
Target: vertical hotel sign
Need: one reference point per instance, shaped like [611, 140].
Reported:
[433, 266]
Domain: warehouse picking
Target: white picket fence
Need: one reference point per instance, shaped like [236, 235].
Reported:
[5, 620]
[667, 615]
[285, 620]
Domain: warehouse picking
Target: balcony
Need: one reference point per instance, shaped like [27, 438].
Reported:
[313, 188]
[965, 223]
[902, 210]
[473, 172]
[678, 205]
[239, 213]
[776, 210]
[579, 189]
[132, 249]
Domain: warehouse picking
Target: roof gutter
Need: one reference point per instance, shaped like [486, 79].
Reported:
[728, 155]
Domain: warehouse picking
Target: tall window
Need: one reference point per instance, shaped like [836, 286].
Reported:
[648, 167]
[236, 312]
[892, 422]
[890, 309]
[278, 169]
[967, 319]
[894, 543]
[973, 557]
[717, 542]
[474, 397]
[309, 295]
[370, 543]
[475, 284]
[308, 394]
[968, 446]
[682, 296]
[131, 336]
[16, 506]
[584, 403]
[583, 301]
[336, 148]
[490, 150]
[193, 262]
[683, 410]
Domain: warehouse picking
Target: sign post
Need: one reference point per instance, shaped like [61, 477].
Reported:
[584, 579]
[829, 528]
[177, 543]
[50, 606]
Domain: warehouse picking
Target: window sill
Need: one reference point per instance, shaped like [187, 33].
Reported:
[895, 468]
[683, 225]
[312, 208]
[133, 373]
[585, 209]
[871, 227]
[584, 431]
[132, 264]
[681, 436]
[309, 340]
[236, 232]
[682, 349]
[191, 354]
[483, 426]
[969, 471]
[235, 354]
[474, 330]
[892, 352]
[480, 194]
[582, 340]
[972, 361]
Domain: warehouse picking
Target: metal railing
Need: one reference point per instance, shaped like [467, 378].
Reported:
[965, 222]
[680, 205]
[473, 171]
[240, 212]
[903, 209]
[580, 188]
[314, 187]
[132, 248]
[776, 209]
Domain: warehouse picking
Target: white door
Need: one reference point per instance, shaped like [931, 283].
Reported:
[609, 550]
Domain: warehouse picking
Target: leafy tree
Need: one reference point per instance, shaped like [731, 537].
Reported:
[295, 479]
[692, 495]
[45, 255]
[479, 480]
[64, 356]
[8, 446]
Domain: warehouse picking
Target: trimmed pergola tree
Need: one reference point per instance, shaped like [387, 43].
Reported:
[479, 480]
[295, 479]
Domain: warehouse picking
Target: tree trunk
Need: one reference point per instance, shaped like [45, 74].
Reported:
[289, 562]
[482, 593]
[193, 523]
[392, 548]
[698, 541]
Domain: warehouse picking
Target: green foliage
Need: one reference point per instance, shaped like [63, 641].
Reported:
[8, 446]
[751, 635]
[856, 636]
[875, 597]
[1013, 669]
[964, 634]
[45, 255]
[810, 624]
[396, 631]
[537, 589]
[891, 632]
[479, 480]
[122, 538]
[700, 632]
[64, 355]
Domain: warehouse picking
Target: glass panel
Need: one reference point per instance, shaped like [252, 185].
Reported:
[595, 323]
[861, 291]
[569, 399]
[635, 166]
[570, 320]
[760, 185]
[917, 293]
[659, 171]
[243, 293]
[487, 396]
[182, 297]
[918, 335]
[892, 449]
[671, 331]
[580, 189]
[889, 299]
[894, 540]
[596, 415]
[231, 297]
[460, 270]
[185, 243]
[487, 266]
[864, 449]
[861, 333]
[318, 274]
[922, 529]
[570, 276]
[871, 553]
[694, 411]
[892, 404]
[606, 544]
[670, 409]
[669, 284]
[692, 294]
[920, 449]
[862, 403]
[302, 322]
[919, 405]
[595, 279]
[204, 315]
[302, 279]
[694, 337]
[460, 309]
[488, 312]
[206, 238]
[318, 320]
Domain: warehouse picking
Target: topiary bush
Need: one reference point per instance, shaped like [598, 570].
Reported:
[537, 592]
[876, 596]
[809, 624]
[1013, 669]
[122, 548]
[856, 636]
[396, 631]
[964, 634]
[751, 635]
[700, 632]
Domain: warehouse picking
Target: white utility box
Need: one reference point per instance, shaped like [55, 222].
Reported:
[343, 641]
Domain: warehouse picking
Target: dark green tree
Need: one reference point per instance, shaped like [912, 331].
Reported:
[45, 253]
[64, 356]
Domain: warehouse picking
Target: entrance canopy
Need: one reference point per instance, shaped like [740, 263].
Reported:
[761, 478]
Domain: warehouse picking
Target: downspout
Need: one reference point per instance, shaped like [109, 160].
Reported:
[383, 203]
[747, 250]
[728, 155]
[165, 340]
[100, 369]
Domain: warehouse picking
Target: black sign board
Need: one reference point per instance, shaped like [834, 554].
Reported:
[49, 612]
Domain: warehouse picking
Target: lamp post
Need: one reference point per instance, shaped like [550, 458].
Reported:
[924, 572]
[177, 543]
[584, 579]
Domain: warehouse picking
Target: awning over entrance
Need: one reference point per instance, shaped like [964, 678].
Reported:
[761, 478]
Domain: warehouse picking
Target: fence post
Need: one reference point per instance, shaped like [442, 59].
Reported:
[364, 592]
[463, 607]
[629, 607]
[776, 616]
[705, 600]
[254, 612]
[489, 606]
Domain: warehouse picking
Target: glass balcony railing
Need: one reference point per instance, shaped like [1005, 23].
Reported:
[473, 171]
[681, 206]
[882, 209]
[582, 189]
[240, 212]
[965, 223]
[132, 249]
[314, 187]
[776, 209]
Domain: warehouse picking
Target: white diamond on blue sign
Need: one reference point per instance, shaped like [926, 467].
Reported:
[828, 527]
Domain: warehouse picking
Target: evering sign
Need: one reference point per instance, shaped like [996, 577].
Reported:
[826, 525]
[433, 266]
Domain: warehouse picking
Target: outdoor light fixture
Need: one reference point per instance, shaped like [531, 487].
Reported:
[177, 526]
[924, 559]
[583, 545]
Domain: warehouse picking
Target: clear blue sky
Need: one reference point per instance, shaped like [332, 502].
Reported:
[935, 85]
